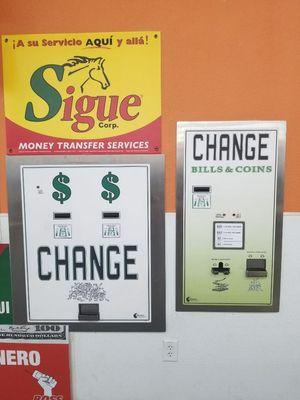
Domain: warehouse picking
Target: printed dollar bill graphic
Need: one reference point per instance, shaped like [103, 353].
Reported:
[112, 191]
[63, 191]
[5, 286]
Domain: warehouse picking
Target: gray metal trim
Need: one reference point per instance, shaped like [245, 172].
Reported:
[156, 163]
[182, 127]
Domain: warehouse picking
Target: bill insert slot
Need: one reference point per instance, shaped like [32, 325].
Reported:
[201, 189]
[58, 215]
[111, 215]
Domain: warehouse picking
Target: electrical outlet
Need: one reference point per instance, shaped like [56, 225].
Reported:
[170, 350]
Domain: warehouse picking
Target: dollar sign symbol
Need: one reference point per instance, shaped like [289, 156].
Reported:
[64, 192]
[113, 191]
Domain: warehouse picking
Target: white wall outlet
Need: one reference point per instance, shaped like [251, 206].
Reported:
[170, 350]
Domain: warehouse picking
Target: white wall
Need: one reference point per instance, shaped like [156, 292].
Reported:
[222, 356]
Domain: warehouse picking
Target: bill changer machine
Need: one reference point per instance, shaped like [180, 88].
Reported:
[87, 241]
[229, 215]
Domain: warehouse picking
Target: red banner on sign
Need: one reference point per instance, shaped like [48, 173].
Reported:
[22, 141]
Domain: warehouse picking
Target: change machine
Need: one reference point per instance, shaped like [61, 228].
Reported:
[229, 215]
[87, 241]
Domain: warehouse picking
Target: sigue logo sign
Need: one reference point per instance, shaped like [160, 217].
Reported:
[85, 109]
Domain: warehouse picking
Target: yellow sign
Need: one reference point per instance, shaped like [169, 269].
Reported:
[89, 88]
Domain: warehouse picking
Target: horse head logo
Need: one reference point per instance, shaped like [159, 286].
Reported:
[92, 67]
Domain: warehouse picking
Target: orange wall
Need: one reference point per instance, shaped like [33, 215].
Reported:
[222, 60]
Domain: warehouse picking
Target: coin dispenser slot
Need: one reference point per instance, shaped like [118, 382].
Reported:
[61, 215]
[220, 269]
[88, 312]
[111, 215]
[256, 267]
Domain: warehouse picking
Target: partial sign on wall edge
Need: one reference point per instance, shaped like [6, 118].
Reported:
[34, 362]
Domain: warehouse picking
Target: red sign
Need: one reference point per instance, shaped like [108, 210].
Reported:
[33, 368]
